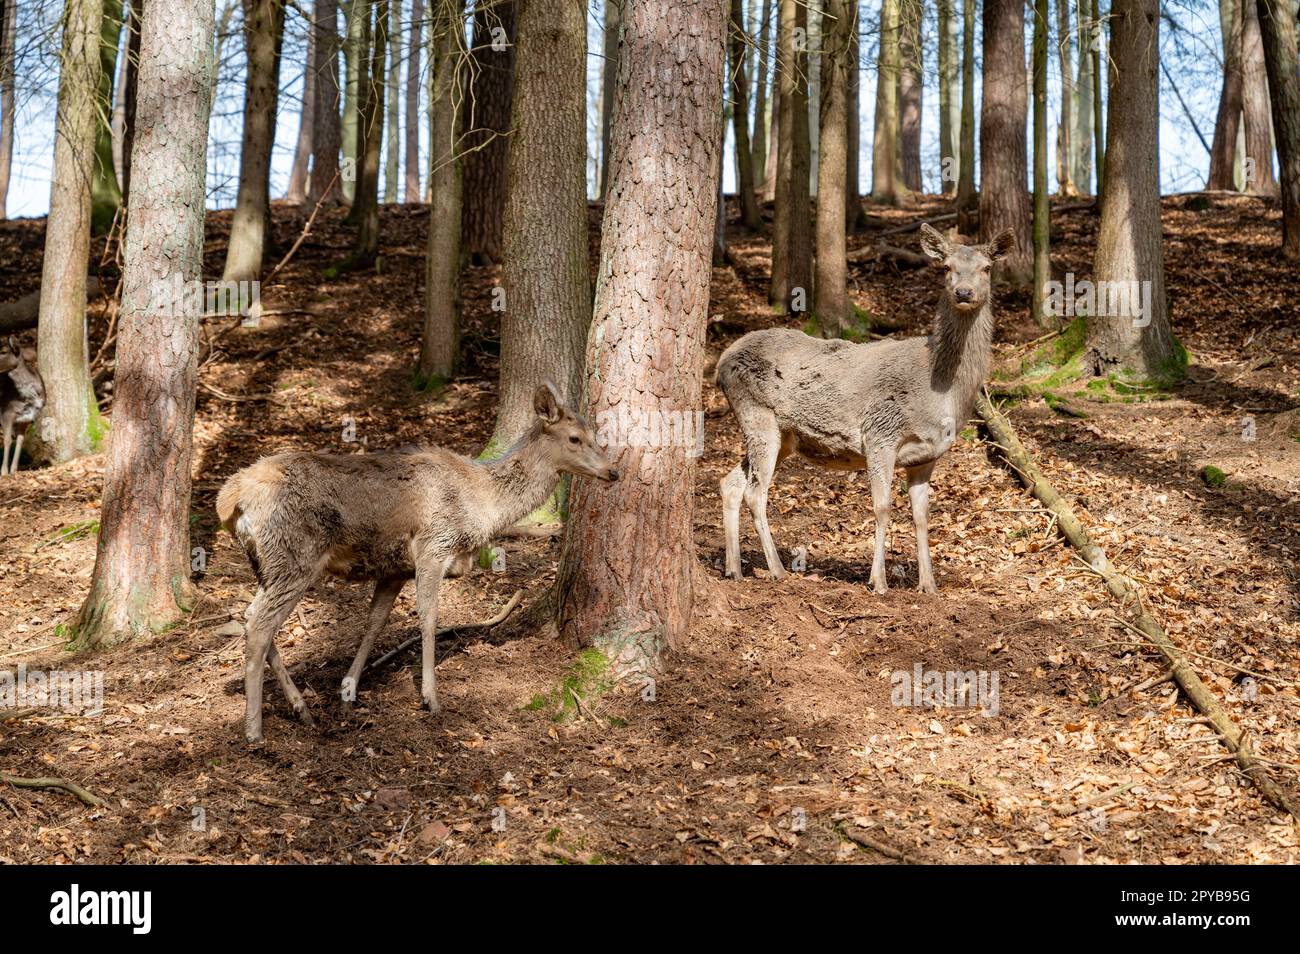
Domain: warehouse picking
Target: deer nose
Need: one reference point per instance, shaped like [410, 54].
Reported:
[612, 475]
[964, 294]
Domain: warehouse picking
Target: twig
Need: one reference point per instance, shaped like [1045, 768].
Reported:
[71, 788]
[267, 396]
[407, 644]
[880, 848]
[306, 230]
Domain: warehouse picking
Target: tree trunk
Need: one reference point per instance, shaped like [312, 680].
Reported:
[1260, 179]
[547, 282]
[297, 190]
[7, 48]
[853, 211]
[1083, 112]
[1095, 43]
[624, 584]
[608, 76]
[1278, 29]
[791, 228]
[326, 186]
[832, 306]
[105, 192]
[967, 200]
[117, 123]
[886, 156]
[1065, 145]
[1004, 198]
[141, 581]
[909, 91]
[1129, 245]
[774, 115]
[249, 232]
[355, 46]
[758, 141]
[749, 215]
[440, 347]
[392, 131]
[70, 425]
[485, 119]
[365, 206]
[411, 187]
[949, 102]
[1042, 206]
[1223, 151]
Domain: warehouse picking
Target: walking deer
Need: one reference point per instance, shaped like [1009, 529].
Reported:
[22, 395]
[386, 516]
[851, 406]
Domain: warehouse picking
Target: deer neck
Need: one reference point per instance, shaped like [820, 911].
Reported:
[960, 351]
[522, 479]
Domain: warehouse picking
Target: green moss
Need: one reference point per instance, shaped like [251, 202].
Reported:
[429, 384]
[582, 686]
[96, 426]
[1212, 476]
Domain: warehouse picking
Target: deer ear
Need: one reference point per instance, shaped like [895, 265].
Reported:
[1003, 244]
[934, 244]
[546, 402]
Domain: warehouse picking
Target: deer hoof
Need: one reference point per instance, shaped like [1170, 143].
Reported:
[928, 588]
[306, 718]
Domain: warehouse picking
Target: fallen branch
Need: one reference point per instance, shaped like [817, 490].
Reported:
[901, 256]
[21, 314]
[486, 624]
[71, 788]
[880, 848]
[306, 230]
[1129, 596]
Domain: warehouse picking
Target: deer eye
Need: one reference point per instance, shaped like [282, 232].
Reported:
[573, 439]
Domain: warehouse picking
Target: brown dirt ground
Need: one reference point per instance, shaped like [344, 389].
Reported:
[773, 734]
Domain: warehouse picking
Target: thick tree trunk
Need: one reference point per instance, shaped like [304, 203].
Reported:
[886, 155]
[7, 47]
[1004, 198]
[1223, 151]
[1278, 28]
[485, 119]
[1129, 255]
[758, 141]
[327, 133]
[355, 52]
[1065, 144]
[297, 190]
[749, 215]
[249, 226]
[909, 91]
[832, 305]
[69, 425]
[1042, 207]
[547, 283]
[440, 346]
[392, 131]
[624, 584]
[1083, 112]
[1260, 179]
[365, 207]
[608, 78]
[411, 187]
[141, 581]
[791, 228]
[967, 200]
[949, 98]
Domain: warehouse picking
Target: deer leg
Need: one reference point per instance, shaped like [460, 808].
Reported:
[4, 457]
[286, 685]
[428, 576]
[270, 608]
[733, 494]
[918, 491]
[18, 449]
[762, 452]
[381, 604]
[880, 468]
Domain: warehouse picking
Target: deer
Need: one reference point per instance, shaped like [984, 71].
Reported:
[388, 516]
[22, 396]
[878, 406]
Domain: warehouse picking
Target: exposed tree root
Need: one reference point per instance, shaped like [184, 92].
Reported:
[70, 787]
[880, 848]
[487, 623]
[1130, 597]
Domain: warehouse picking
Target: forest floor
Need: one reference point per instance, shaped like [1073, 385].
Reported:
[772, 736]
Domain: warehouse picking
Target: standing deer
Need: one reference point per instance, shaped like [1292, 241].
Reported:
[387, 516]
[22, 395]
[850, 406]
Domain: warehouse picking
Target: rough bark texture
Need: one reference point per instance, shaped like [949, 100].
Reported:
[1004, 173]
[1260, 179]
[886, 155]
[949, 94]
[739, 45]
[297, 189]
[327, 134]
[440, 346]
[909, 91]
[7, 48]
[105, 191]
[69, 426]
[485, 120]
[1279, 34]
[1065, 144]
[608, 78]
[1129, 248]
[411, 187]
[791, 226]
[624, 583]
[1042, 208]
[545, 274]
[967, 200]
[831, 288]
[249, 232]
[141, 581]
[365, 207]
[1227, 122]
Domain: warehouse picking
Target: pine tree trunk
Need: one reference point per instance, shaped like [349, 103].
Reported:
[7, 48]
[486, 122]
[739, 44]
[440, 346]
[1042, 207]
[791, 228]
[624, 584]
[1223, 151]
[141, 581]
[365, 206]
[545, 274]
[774, 115]
[411, 187]
[131, 87]
[391, 129]
[1004, 198]
[326, 185]
[1083, 100]
[249, 233]
[608, 76]
[853, 211]
[949, 101]
[105, 192]
[1129, 244]
[1278, 29]
[967, 200]
[355, 47]
[1065, 146]
[1098, 79]
[758, 141]
[831, 286]
[909, 91]
[296, 193]
[69, 426]
[1260, 179]
[886, 155]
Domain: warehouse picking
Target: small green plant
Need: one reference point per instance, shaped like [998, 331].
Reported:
[74, 531]
[1212, 476]
[582, 686]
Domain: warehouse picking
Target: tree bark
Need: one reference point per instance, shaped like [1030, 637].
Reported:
[886, 155]
[485, 120]
[69, 425]
[608, 76]
[547, 282]
[1083, 114]
[355, 46]
[365, 206]
[1004, 198]
[1042, 207]
[758, 141]
[105, 191]
[392, 130]
[1278, 29]
[141, 581]
[791, 228]
[327, 134]
[1098, 120]
[1260, 179]
[949, 100]
[297, 190]
[440, 346]
[749, 215]
[967, 200]
[1129, 241]
[411, 187]
[7, 49]
[832, 306]
[249, 226]
[1065, 145]
[910, 91]
[624, 583]
[1223, 151]
[853, 211]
